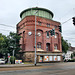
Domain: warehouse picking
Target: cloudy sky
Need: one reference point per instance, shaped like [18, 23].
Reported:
[63, 11]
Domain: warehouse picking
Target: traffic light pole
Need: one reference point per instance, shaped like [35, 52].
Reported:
[35, 38]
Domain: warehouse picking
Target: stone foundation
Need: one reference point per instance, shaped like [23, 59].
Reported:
[41, 56]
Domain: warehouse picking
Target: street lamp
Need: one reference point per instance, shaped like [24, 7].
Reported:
[35, 37]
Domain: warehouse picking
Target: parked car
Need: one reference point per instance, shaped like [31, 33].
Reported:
[2, 61]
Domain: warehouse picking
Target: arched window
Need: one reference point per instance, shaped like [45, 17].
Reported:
[23, 34]
[47, 34]
[39, 45]
[23, 41]
[48, 46]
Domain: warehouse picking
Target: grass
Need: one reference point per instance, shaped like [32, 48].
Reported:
[27, 62]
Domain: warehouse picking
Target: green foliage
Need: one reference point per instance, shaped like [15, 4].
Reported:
[2, 43]
[12, 59]
[9, 43]
[72, 56]
[72, 60]
[14, 43]
[65, 45]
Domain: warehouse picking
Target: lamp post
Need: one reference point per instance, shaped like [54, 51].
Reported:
[35, 37]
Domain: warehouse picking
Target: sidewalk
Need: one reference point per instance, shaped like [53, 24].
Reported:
[16, 65]
[29, 65]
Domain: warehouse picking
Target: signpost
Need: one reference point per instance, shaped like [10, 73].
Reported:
[8, 58]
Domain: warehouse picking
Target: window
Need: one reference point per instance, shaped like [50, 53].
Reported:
[23, 34]
[39, 45]
[47, 34]
[39, 23]
[23, 45]
[55, 27]
[48, 46]
[48, 25]
[55, 47]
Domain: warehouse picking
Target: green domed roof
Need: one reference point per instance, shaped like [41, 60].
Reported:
[42, 12]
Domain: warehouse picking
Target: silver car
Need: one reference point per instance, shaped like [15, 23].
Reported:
[2, 61]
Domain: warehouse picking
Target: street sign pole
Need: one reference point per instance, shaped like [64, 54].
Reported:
[8, 58]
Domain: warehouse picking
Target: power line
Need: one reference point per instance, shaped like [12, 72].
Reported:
[5, 30]
[71, 10]
[67, 20]
[25, 29]
[7, 25]
[71, 38]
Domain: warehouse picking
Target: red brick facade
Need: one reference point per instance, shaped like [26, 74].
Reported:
[46, 43]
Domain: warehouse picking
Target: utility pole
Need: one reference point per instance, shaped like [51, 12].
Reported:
[14, 49]
[35, 37]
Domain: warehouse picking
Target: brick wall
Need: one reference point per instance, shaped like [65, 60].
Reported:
[28, 25]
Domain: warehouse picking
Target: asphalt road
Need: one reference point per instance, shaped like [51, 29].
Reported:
[44, 69]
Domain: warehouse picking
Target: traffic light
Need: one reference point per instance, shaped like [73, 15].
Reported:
[53, 31]
[73, 20]
[60, 28]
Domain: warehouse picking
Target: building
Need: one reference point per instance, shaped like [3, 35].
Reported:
[48, 47]
[67, 55]
[72, 49]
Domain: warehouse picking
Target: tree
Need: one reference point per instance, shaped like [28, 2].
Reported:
[65, 45]
[13, 43]
[2, 43]
[9, 43]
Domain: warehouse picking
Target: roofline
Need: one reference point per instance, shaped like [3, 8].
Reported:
[36, 8]
[41, 17]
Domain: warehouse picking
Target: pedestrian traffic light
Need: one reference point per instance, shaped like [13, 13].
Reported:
[60, 28]
[53, 31]
[73, 20]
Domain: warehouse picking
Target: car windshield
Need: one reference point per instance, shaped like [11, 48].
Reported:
[1, 59]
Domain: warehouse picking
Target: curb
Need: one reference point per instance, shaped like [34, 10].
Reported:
[15, 66]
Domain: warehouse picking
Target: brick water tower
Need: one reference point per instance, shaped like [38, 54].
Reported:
[48, 46]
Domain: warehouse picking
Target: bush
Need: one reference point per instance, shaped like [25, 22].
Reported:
[12, 60]
[72, 60]
[72, 55]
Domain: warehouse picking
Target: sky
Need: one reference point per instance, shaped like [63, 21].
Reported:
[63, 11]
